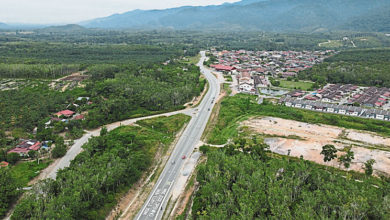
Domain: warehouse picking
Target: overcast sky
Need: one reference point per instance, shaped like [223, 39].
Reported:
[73, 11]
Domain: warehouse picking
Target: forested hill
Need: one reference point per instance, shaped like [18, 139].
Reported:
[64, 28]
[267, 15]
[3, 26]
[369, 67]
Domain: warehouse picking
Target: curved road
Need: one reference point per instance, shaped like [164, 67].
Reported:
[155, 204]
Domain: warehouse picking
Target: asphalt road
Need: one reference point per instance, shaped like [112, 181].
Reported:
[156, 203]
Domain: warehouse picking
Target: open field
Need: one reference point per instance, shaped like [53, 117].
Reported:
[331, 44]
[296, 85]
[26, 171]
[307, 140]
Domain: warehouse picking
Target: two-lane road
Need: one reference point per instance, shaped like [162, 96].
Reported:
[155, 204]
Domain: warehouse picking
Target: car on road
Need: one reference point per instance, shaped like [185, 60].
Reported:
[183, 157]
[209, 109]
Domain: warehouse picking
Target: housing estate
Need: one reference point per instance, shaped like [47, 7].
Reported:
[335, 108]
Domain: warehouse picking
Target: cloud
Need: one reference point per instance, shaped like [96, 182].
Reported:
[73, 11]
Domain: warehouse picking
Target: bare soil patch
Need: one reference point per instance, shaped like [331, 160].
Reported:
[303, 139]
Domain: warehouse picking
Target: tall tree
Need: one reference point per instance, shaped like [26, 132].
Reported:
[347, 158]
[8, 190]
[329, 152]
[368, 167]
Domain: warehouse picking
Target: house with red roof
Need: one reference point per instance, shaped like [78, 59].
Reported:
[79, 117]
[65, 113]
[220, 67]
[378, 104]
[23, 152]
[26, 146]
[4, 164]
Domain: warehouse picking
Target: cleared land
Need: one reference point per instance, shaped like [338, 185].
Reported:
[296, 85]
[331, 44]
[304, 139]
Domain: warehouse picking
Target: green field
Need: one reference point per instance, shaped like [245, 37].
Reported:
[194, 60]
[24, 172]
[296, 85]
[228, 78]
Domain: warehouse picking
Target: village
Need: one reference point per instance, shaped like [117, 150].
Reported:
[255, 69]
[29, 149]
[254, 72]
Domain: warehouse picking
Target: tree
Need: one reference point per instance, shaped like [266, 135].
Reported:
[329, 152]
[13, 158]
[103, 131]
[32, 154]
[8, 190]
[368, 167]
[347, 158]
[3, 155]
[59, 149]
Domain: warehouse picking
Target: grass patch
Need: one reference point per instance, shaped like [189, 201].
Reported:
[24, 172]
[228, 78]
[296, 85]
[206, 87]
[227, 89]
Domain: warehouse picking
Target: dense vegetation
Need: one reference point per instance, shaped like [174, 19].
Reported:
[363, 67]
[109, 164]
[187, 43]
[125, 92]
[8, 190]
[33, 71]
[240, 107]
[250, 185]
[118, 91]
[53, 60]
[67, 53]
[25, 108]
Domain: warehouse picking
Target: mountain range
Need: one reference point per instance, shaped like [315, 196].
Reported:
[255, 15]
[267, 15]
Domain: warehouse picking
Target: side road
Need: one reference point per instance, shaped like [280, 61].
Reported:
[51, 171]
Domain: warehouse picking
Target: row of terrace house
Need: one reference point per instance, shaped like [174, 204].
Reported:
[337, 109]
[372, 97]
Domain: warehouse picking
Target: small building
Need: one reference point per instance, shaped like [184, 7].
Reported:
[79, 117]
[26, 146]
[342, 111]
[65, 113]
[4, 164]
[246, 87]
[83, 98]
[220, 67]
